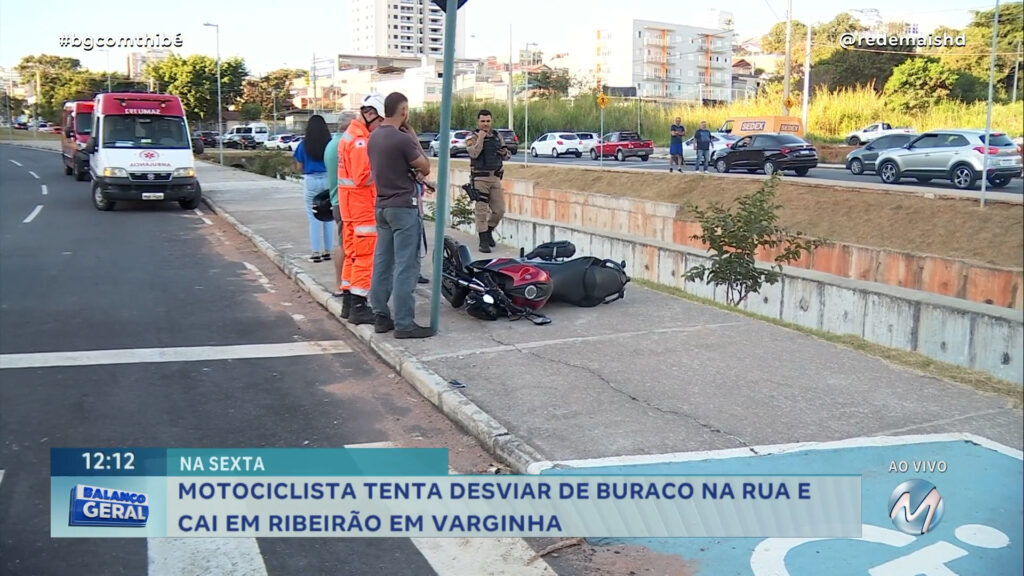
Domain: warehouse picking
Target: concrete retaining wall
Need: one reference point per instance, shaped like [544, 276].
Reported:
[978, 336]
[972, 281]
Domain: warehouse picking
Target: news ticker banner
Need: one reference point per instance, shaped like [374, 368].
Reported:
[406, 492]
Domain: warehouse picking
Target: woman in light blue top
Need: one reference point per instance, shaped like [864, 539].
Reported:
[309, 155]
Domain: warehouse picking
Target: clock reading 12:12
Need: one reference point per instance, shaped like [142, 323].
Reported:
[112, 461]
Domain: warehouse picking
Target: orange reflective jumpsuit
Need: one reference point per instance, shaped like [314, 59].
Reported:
[357, 198]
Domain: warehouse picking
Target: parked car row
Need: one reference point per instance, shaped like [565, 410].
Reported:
[954, 155]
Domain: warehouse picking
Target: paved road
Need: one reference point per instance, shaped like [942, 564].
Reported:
[154, 276]
[820, 175]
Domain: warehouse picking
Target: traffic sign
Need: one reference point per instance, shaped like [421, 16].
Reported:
[789, 102]
[602, 100]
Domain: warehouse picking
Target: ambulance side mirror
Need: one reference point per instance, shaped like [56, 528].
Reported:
[90, 146]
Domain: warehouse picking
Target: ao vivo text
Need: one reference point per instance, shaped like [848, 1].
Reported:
[917, 466]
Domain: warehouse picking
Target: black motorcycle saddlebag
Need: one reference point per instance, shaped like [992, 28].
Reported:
[552, 251]
[586, 281]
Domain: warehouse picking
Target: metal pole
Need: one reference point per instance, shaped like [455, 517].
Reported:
[807, 77]
[511, 100]
[10, 120]
[109, 89]
[441, 205]
[526, 130]
[599, 142]
[988, 113]
[785, 82]
[39, 92]
[220, 121]
[1016, 65]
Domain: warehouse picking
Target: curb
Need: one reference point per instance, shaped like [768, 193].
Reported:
[517, 454]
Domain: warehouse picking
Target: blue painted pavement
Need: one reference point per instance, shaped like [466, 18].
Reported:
[980, 534]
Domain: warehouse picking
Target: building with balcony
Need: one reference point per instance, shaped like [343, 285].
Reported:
[663, 60]
[401, 28]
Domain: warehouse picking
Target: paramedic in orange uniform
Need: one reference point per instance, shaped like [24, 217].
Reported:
[357, 198]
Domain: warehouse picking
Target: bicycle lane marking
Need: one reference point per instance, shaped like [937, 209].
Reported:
[981, 532]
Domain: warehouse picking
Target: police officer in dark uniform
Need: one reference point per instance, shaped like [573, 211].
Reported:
[488, 151]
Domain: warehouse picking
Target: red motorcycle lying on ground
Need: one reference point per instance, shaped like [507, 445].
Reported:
[518, 288]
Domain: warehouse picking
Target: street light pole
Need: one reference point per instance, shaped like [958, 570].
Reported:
[526, 89]
[988, 113]
[1016, 65]
[785, 82]
[107, 50]
[512, 99]
[220, 121]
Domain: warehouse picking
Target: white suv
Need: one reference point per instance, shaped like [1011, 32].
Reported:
[954, 155]
[557, 143]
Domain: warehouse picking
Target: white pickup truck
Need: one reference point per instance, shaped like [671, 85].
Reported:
[869, 133]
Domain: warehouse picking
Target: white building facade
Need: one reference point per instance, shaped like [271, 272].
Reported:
[666, 60]
[401, 28]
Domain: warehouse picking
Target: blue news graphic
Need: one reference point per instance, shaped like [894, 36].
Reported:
[981, 533]
[101, 506]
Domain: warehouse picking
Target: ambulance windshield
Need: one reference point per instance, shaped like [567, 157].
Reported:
[165, 132]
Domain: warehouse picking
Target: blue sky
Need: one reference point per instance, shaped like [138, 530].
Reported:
[272, 34]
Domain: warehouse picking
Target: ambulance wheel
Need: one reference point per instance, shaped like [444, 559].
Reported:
[99, 202]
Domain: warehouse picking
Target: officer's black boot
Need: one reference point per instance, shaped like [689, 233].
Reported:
[485, 245]
[346, 304]
[490, 237]
[361, 311]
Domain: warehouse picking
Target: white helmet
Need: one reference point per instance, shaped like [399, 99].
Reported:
[375, 101]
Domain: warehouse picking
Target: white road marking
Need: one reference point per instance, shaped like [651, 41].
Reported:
[34, 175]
[184, 354]
[33, 215]
[860, 442]
[769, 557]
[173, 556]
[197, 211]
[15, 162]
[45, 191]
[575, 339]
[208, 221]
[260, 276]
[470, 556]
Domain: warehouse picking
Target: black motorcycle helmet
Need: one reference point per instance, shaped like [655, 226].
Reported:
[322, 207]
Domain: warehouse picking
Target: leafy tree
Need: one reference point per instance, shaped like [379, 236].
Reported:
[919, 83]
[736, 236]
[553, 83]
[194, 80]
[54, 71]
[973, 58]
[774, 42]
[270, 90]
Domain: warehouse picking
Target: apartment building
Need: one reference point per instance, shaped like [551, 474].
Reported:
[666, 60]
[402, 28]
[137, 61]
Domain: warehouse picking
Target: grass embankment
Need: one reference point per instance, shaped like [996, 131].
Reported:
[831, 115]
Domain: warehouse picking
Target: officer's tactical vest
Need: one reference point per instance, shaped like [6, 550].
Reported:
[489, 159]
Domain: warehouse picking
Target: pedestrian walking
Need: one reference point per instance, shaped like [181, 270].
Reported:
[309, 157]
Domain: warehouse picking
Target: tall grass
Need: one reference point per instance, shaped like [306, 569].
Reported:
[831, 116]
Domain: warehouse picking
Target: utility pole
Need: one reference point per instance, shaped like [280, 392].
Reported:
[39, 93]
[313, 71]
[785, 82]
[807, 77]
[1016, 65]
[511, 98]
[988, 113]
[10, 120]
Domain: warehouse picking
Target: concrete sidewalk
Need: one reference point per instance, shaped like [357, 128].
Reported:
[649, 374]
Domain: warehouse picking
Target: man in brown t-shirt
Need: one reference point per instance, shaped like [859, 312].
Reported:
[394, 150]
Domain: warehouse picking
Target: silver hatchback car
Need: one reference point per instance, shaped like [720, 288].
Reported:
[954, 155]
